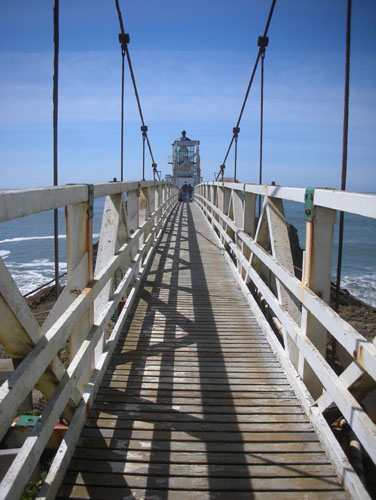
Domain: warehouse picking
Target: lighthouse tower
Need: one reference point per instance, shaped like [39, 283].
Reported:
[185, 161]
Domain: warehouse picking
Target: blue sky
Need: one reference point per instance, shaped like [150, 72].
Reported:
[192, 62]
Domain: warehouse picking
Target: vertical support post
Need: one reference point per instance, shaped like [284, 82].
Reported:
[133, 214]
[281, 251]
[317, 267]
[237, 207]
[80, 272]
[249, 222]
[107, 245]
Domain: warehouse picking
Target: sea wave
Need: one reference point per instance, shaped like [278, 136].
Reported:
[361, 286]
[31, 238]
[4, 253]
[35, 264]
[30, 276]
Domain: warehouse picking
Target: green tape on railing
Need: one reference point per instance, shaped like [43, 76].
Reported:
[308, 204]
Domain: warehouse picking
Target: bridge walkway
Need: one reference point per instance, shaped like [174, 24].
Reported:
[195, 403]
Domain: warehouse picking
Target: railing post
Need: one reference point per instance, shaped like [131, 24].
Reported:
[79, 273]
[248, 223]
[113, 235]
[281, 250]
[133, 214]
[237, 208]
[317, 267]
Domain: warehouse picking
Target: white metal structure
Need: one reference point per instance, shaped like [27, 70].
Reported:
[185, 161]
[82, 313]
[299, 310]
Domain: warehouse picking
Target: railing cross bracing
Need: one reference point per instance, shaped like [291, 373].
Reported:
[299, 309]
[82, 313]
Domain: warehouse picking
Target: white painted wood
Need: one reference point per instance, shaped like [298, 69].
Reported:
[346, 201]
[66, 317]
[80, 247]
[317, 276]
[19, 332]
[364, 428]
[107, 246]
[16, 203]
[61, 460]
[281, 251]
[348, 377]
[344, 469]
[362, 425]
[361, 349]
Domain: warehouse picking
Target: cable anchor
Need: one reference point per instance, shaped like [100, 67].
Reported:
[221, 171]
[263, 42]
[236, 131]
[144, 130]
[124, 39]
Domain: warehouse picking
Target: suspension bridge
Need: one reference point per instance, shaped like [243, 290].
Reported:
[198, 363]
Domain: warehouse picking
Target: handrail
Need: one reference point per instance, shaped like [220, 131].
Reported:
[82, 314]
[298, 310]
[346, 201]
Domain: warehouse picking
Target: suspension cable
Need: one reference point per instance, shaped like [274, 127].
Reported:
[235, 131]
[55, 144]
[144, 130]
[124, 40]
[249, 85]
[344, 148]
[122, 118]
[262, 43]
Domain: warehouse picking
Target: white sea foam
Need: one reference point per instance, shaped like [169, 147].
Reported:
[30, 276]
[30, 238]
[33, 238]
[4, 253]
[362, 286]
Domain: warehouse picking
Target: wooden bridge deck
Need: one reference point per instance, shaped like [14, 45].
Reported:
[194, 403]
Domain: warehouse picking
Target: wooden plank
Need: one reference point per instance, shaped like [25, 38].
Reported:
[194, 395]
[213, 470]
[172, 457]
[196, 425]
[206, 436]
[262, 446]
[104, 493]
[201, 483]
[171, 417]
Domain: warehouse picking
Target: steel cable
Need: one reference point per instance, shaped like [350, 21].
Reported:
[55, 99]
[344, 149]
[249, 86]
[124, 47]
[261, 125]
[122, 118]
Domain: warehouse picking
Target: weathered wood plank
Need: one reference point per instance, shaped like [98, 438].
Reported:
[202, 483]
[204, 469]
[291, 458]
[194, 403]
[105, 493]
[206, 436]
[261, 446]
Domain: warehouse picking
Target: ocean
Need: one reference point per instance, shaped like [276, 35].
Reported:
[27, 247]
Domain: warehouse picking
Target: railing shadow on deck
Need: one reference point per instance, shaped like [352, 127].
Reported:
[82, 313]
[158, 469]
[295, 313]
[134, 403]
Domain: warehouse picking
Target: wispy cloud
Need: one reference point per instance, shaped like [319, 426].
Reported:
[202, 90]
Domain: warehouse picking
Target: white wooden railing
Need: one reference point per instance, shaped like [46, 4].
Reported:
[81, 315]
[300, 320]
